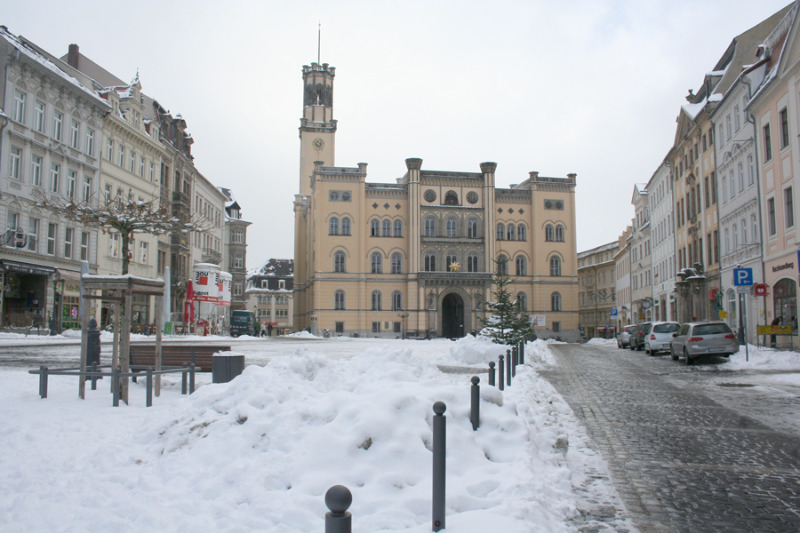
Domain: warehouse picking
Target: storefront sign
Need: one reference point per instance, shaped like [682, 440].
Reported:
[760, 289]
[785, 266]
[775, 330]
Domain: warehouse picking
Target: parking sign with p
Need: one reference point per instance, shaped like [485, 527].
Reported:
[742, 277]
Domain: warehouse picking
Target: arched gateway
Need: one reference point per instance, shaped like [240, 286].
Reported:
[452, 316]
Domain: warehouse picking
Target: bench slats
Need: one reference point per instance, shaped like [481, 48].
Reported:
[177, 355]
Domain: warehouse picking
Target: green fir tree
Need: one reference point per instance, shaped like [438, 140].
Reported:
[507, 323]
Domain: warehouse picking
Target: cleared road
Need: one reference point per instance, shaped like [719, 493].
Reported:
[687, 452]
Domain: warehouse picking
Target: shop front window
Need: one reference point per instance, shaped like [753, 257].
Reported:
[785, 301]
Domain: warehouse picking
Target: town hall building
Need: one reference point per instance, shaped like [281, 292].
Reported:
[416, 258]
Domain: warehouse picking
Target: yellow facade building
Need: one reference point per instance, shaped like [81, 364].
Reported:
[416, 257]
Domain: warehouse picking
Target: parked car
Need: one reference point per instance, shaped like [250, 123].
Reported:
[624, 337]
[639, 334]
[696, 339]
[660, 337]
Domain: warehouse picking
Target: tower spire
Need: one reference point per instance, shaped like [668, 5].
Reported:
[319, 40]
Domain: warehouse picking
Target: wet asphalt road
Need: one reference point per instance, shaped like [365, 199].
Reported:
[690, 449]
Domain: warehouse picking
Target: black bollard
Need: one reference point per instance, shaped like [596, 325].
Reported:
[43, 381]
[92, 343]
[522, 352]
[94, 376]
[514, 361]
[439, 443]
[115, 386]
[191, 378]
[475, 399]
[501, 378]
[183, 379]
[338, 500]
[508, 367]
[491, 373]
[149, 400]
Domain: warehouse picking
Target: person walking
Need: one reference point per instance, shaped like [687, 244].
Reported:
[269, 329]
[773, 338]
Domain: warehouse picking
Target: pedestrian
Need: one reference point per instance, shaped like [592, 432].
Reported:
[269, 329]
[773, 338]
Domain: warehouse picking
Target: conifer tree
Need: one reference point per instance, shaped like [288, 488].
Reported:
[507, 324]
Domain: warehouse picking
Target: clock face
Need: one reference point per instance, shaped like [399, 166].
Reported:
[318, 143]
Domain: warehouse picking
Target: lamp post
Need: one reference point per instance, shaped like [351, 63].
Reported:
[403, 315]
[56, 308]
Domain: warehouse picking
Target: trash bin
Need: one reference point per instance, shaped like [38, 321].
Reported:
[225, 366]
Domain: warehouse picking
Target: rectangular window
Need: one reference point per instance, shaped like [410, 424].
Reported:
[152, 172]
[19, 106]
[87, 188]
[15, 163]
[238, 262]
[55, 175]
[716, 246]
[784, 128]
[58, 124]
[771, 216]
[707, 192]
[36, 171]
[113, 246]
[143, 249]
[90, 142]
[788, 204]
[121, 160]
[72, 177]
[84, 246]
[33, 234]
[108, 193]
[52, 232]
[132, 161]
[68, 233]
[339, 326]
[376, 327]
[12, 221]
[556, 327]
[74, 134]
[141, 166]
[238, 288]
[38, 116]
[109, 149]
[767, 144]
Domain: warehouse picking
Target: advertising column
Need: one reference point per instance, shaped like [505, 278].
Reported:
[224, 302]
[206, 294]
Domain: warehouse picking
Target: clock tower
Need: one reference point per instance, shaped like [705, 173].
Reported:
[317, 127]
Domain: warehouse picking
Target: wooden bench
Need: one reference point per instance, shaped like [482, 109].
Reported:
[177, 355]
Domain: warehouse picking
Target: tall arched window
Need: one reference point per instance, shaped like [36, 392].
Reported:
[374, 228]
[555, 266]
[387, 228]
[430, 262]
[451, 198]
[732, 320]
[522, 302]
[472, 228]
[549, 233]
[376, 300]
[559, 233]
[449, 261]
[430, 227]
[501, 232]
[511, 231]
[345, 226]
[376, 263]
[339, 262]
[398, 228]
[397, 301]
[785, 301]
[338, 300]
[472, 263]
[451, 227]
[522, 266]
[333, 226]
[555, 301]
[397, 263]
[522, 232]
[502, 265]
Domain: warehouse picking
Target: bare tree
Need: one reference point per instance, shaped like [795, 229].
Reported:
[124, 216]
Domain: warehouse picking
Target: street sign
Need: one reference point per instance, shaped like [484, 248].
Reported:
[743, 289]
[614, 312]
[742, 276]
[761, 289]
[723, 314]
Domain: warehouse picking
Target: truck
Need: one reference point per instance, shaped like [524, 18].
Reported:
[243, 323]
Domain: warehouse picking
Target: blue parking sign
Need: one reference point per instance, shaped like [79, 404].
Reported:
[614, 312]
[742, 277]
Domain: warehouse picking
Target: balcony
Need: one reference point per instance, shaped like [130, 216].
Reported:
[211, 256]
[180, 199]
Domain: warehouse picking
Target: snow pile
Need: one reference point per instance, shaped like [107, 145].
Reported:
[604, 342]
[476, 350]
[302, 335]
[259, 453]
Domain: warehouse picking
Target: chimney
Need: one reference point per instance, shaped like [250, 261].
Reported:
[72, 56]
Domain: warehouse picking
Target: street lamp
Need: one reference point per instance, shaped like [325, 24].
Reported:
[403, 315]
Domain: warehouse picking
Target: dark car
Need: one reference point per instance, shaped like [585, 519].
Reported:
[696, 339]
[624, 337]
[639, 334]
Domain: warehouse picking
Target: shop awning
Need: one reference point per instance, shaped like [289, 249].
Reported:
[27, 268]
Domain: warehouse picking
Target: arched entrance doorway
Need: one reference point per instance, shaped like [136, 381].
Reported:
[452, 316]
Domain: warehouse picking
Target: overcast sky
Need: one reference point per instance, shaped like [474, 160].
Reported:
[591, 87]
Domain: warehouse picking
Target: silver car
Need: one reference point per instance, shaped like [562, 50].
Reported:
[660, 337]
[696, 339]
[624, 337]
